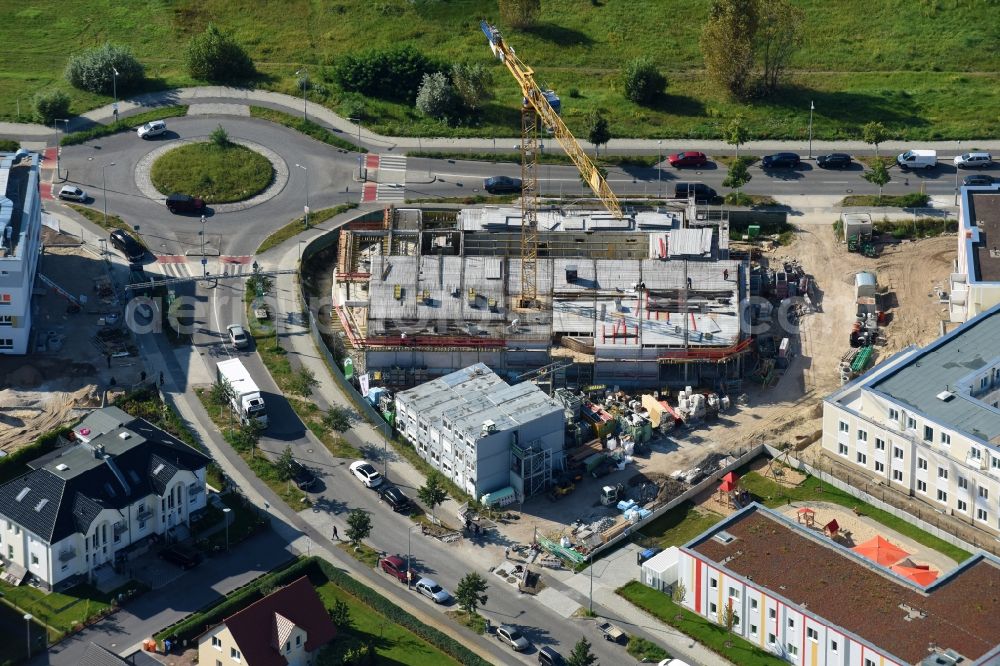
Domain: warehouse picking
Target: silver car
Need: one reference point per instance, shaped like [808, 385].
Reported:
[973, 160]
[433, 591]
[72, 193]
[238, 336]
[512, 637]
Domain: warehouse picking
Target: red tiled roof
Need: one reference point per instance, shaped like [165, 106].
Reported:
[961, 611]
[253, 628]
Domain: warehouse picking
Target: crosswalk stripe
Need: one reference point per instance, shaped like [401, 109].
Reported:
[386, 192]
[392, 163]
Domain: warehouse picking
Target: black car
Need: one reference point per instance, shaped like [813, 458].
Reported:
[184, 203]
[502, 185]
[549, 657]
[701, 191]
[127, 245]
[395, 498]
[304, 479]
[183, 556]
[781, 160]
[978, 179]
[834, 161]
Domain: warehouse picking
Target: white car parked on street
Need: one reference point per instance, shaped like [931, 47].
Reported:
[366, 473]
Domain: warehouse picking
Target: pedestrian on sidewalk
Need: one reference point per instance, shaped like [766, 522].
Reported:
[725, 274]
[506, 552]
[335, 535]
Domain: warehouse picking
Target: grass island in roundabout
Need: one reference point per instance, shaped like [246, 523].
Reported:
[217, 170]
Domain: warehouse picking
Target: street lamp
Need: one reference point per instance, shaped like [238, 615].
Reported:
[305, 217]
[812, 107]
[114, 108]
[55, 124]
[409, 532]
[303, 75]
[104, 179]
[27, 623]
[357, 121]
[659, 166]
[591, 559]
[204, 262]
[225, 512]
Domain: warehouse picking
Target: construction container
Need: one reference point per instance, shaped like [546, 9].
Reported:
[865, 284]
[858, 226]
[603, 423]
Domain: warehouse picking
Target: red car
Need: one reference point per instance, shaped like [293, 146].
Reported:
[689, 159]
[395, 566]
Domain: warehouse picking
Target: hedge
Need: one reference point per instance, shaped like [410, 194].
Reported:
[319, 571]
[14, 465]
[123, 124]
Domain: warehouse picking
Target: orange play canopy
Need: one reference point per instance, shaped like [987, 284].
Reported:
[881, 551]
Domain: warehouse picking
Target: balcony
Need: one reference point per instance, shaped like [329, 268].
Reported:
[120, 528]
[195, 489]
[67, 554]
[144, 513]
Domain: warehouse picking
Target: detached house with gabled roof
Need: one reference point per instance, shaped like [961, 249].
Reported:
[285, 628]
[112, 483]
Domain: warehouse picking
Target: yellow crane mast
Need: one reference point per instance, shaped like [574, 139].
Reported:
[537, 107]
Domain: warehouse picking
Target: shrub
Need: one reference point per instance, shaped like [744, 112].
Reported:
[395, 74]
[519, 13]
[219, 137]
[14, 465]
[50, 105]
[473, 83]
[914, 200]
[216, 56]
[642, 82]
[94, 70]
[8, 145]
[437, 97]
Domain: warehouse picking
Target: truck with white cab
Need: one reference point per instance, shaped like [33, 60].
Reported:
[917, 159]
[247, 401]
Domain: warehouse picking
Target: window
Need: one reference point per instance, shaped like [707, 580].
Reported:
[984, 492]
[712, 609]
[793, 650]
[994, 462]
[975, 453]
[962, 506]
[842, 449]
[897, 452]
[218, 662]
[298, 640]
[928, 434]
[6, 320]
[812, 634]
[862, 436]
[922, 486]
[844, 427]
[770, 639]
[981, 515]
[234, 654]
[879, 467]
[142, 524]
[894, 415]
[869, 662]
[791, 623]
[942, 496]
[753, 604]
[834, 646]
[897, 475]
[772, 613]
[984, 382]
[288, 646]
[921, 463]
[879, 444]
[734, 593]
[963, 483]
[911, 423]
[753, 630]
[713, 583]
[862, 459]
[942, 473]
[6, 343]
[216, 642]
[34, 559]
[945, 439]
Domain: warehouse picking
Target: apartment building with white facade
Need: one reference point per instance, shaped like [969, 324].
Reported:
[478, 430]
[814, 602]
[20, 239]
[114, 482]
[974, 287]
[926, 422]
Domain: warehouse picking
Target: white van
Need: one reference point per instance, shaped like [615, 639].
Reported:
[917, 159]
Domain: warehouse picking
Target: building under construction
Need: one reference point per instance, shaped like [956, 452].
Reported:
[648, 300]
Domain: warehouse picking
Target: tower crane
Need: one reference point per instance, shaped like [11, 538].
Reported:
[536, 106]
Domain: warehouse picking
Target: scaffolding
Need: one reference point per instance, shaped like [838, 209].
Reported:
[533, 464]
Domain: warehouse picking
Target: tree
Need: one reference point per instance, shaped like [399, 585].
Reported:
[221, 392]
[738, 175]
[736, 133]
[878, 175]
[519, 13]
[359, 526]
[598, 133]
[747, 44]
[259, 284]
[471, 592]
[395, 73]
[337, 418]
[432, 492]
[437, 97]
[302, 382]
[874, 133]
[94, 70]
[217, 56]
[50, 105]
[581, 654]
[219, 137]
[246, 436]
[340, 614]
[729, 617]
[473, 84]
[679, 593]
[284, 467]
[642, 81]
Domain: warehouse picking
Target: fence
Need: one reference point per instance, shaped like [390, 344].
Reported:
[903, 513]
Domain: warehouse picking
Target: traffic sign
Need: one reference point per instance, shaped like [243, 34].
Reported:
[204, 261]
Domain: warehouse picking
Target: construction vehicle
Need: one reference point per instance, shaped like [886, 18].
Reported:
[610, 495]
[562, 486]
[537, 110]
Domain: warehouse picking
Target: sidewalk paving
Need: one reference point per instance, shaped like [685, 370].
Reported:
[240, 97]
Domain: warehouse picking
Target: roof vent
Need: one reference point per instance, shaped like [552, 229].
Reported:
[945, 396]
[158, 469]
[724, 537]
[41, 503]
[124, 435]
[62, 467]
[24, 493]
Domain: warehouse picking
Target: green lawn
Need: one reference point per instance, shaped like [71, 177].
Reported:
[97, 217]
[297, 226]
[771, 494]
[394, 644]
[246, 520]
[123, 125]
[217, 174]
[679, 525]
[307, 127]
[712, 635]
[61, 611]
[924, 68]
